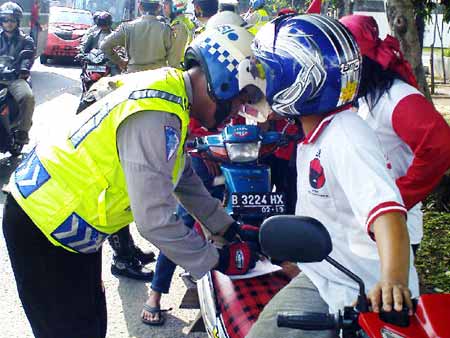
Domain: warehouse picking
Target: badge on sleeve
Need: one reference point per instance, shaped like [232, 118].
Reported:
[172, 141]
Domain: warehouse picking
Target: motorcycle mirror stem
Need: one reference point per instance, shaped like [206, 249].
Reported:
[305, 240]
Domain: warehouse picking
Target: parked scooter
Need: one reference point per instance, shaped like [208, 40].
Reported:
[230, 307]
[94, 66]
[9, 109]
[306, 240]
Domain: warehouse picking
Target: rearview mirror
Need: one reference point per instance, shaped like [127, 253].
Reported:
[295, 239]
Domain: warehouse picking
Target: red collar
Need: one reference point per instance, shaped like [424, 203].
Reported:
[314, 134]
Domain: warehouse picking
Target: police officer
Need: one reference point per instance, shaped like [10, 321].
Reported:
[147, 40]
[12, 42]
[123, 159]
[182, 27]
[256, 16]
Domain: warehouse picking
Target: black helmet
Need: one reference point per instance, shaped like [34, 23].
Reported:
[104, 19]
[13, 9]
[95, 16]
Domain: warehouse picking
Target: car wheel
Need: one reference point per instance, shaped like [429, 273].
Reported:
[43, 58]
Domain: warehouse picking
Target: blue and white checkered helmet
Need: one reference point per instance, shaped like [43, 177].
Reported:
[218, 52]
[311, 65]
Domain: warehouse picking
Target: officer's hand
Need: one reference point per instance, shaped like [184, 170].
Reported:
[242, 232]
[237, 258]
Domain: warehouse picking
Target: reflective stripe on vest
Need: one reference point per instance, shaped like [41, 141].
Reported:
[263, 18]
[75, 190]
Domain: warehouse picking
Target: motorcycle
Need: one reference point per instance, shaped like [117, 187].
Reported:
[94, 66]
[230, 307]
[306, 240]
[9, 109]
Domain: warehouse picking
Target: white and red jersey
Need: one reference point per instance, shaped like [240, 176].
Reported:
[416, 140]
[344, 182]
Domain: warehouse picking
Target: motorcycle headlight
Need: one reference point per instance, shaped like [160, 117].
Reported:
[3, 93]
[243, 152]
[96, 58]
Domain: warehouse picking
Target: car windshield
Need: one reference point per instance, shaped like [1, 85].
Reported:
[73, 17]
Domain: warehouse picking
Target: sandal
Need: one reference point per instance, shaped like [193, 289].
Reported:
[154, 310]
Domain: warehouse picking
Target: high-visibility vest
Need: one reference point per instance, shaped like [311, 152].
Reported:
[188, 25]
[74, 189]
[263, 18]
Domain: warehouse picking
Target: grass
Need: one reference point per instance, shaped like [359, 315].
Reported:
[433, 258]
[437, 50]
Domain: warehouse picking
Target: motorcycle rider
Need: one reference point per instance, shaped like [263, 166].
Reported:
[12, 42]
[182, 27]
[125, 160]
[309, 67]
[256, 15]
[93, 39]
[147, 41]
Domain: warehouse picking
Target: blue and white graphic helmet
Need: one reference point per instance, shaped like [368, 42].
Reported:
[311, 63]
[257, 4]
[218, 51]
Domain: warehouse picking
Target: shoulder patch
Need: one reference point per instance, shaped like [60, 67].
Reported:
[172, 141]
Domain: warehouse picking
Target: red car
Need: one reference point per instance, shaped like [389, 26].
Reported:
[66, 29]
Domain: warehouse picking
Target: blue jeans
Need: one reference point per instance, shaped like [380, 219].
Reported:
[164, 266]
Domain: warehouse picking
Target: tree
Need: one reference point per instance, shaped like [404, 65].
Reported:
[401, 18]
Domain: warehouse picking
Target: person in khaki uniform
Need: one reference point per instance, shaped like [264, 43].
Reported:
[147, 40]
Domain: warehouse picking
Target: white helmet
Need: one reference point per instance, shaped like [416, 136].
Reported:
[225, 18]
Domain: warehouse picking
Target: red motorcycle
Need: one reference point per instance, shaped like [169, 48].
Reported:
[304, 239]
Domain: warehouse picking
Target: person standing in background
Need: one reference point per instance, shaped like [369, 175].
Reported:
[35, 26]
[147, 41]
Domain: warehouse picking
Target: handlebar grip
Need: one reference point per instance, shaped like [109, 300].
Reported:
[399, 318]
[309, 321]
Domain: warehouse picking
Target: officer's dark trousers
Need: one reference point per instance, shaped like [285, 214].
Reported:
[61, 292]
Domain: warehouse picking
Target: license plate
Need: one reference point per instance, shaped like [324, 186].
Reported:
[99, 69]
[258, 203]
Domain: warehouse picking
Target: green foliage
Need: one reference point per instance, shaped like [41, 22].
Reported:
[433, 259]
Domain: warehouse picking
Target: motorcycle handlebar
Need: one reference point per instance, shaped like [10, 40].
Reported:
[309, 321]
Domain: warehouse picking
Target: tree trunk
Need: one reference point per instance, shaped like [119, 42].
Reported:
[400, 15]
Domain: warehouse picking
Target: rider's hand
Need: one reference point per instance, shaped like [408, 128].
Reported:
[213, 168]
[388, 295]
[237, 258]
[242, 232]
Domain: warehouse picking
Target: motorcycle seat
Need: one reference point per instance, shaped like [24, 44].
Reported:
[241, 301]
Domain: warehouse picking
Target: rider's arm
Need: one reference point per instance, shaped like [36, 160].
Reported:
[113, 40]
[424, 130]
[26, 64]
[361, 171]
[392, 238]
[147, 162]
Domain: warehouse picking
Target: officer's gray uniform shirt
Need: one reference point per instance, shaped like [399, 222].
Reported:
[141, 141]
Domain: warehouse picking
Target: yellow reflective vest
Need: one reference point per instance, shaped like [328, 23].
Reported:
[189, 27]
[263, 18]
[74, 190]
